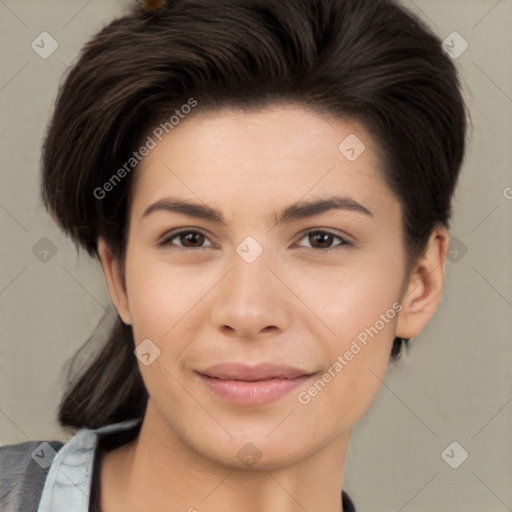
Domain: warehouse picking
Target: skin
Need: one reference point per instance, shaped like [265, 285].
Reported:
[200, 303]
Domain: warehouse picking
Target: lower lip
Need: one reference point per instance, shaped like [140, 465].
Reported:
[252, 393]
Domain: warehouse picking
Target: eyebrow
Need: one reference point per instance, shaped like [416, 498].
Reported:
[293, 212]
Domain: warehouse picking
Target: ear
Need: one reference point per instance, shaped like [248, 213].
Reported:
[425, 286]
[115, 281]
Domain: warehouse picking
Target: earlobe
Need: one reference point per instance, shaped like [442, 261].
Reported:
[115, 281]
[425, 287]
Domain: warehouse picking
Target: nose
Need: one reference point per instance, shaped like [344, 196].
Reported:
[251, 301]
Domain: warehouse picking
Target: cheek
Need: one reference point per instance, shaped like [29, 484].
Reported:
[160, 295]
[149, 300]
[351, 296]
[351, 380]
[362, 308]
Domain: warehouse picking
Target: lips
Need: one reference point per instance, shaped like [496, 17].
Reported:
[247, 385]
[251, 373]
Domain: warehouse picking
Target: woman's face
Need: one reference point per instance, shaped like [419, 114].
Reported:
[317, 291]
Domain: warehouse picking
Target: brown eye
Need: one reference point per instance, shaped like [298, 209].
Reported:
[192, 238]
[323, 240]
[188, 239]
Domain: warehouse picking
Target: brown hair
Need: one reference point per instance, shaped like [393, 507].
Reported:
[370, 60]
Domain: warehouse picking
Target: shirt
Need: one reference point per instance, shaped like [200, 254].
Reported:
[70, 471]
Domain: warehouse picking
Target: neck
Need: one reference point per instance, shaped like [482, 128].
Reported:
[159, 468]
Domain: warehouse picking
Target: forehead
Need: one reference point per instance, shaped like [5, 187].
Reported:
[281, 153]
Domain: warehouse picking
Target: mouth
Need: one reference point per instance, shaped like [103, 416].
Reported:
[253, 373]
[250, 385]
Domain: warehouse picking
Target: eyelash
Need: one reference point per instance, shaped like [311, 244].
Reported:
[166, 242]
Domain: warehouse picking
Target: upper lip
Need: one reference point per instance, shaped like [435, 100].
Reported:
[261, 371]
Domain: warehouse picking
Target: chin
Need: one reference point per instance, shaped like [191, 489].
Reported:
[257, 449]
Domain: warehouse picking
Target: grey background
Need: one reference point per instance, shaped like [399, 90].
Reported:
[454, 385]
